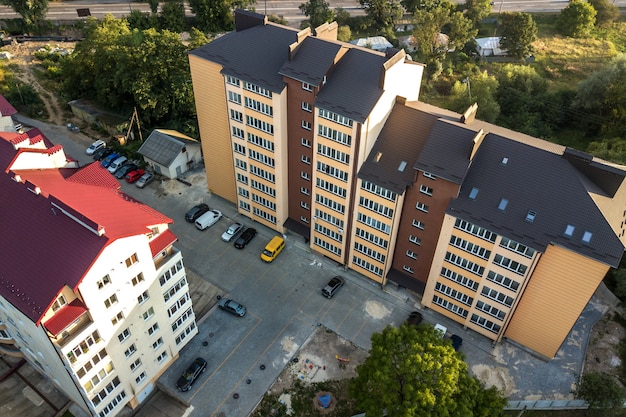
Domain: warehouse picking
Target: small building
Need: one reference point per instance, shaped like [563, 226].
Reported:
[489, 47]
[6, 112]
[112, 123]
[377, 43]
[171, 153]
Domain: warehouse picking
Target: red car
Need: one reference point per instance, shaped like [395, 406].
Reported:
[133, 176]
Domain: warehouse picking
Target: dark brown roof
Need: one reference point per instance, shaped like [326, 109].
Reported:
[354, 87]
[255, 54]
[447, 151]
[398, 144]
[538, 184]
[312, 61]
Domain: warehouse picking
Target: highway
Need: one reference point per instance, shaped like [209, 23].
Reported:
[286, 8]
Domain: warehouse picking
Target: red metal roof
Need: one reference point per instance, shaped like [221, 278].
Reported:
[43, 248]
[6, 109]
[162, 241]
[65, 316]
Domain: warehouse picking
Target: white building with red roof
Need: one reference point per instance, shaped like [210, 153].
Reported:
[93, 292]
[6, 111]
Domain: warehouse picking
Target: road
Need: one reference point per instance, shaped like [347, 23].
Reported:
[286, 8]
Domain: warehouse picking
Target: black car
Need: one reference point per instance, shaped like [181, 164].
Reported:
[196, 211]
[101, 153]
[125, 169]
[333, 285]
[186, 380]
[245, 238]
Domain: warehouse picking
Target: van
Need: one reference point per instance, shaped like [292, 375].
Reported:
[116, 164]
[273, 248]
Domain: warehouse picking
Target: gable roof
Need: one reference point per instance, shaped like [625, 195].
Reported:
[6, 109]
[163, 146]
[52, 233]
[399, 143]
[255, 54]
[312, 60]
[544, 194]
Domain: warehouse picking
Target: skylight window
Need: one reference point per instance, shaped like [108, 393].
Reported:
[587, 236]
[402, 166]
[530, 216]
[473, 193]
[569, 230]
[503, 204]
[505, 161]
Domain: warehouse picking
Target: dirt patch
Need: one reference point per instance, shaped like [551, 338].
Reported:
[602, 353]
[324, 356]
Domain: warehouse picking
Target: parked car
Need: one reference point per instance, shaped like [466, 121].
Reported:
[188, 377]
[245, 238]
[73, 128]
[333, 285]
[102, 153]
[232, 231]
[125, 169]
[232, 306]
[273, 248]
[134, 175]
[99, 144]
[145, 180]
[116, 164]
[196, 211]
[208, 219]
[109, 159]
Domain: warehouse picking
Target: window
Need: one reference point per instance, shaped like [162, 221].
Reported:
[469, 247]
[376, 224]
[137, 279]
[256, 89]
[307, 87]
[415, 239]
[429, 175]
[375, 207]
[331, 188]
[131, 260]
[459, 279]
[337, 118]
[244, 206]
[232, 80]
[234, 97]
[450, 306]
[304, 220]
[304, 205]
[502, 280]
[477, 231]
[124, 335]
[259, 172]
[258, 106]
[157, 343]
[421, 207]
[153, 329]
[367, 266]
[305, 175]
[130, 351]
[407, 269]
[305, 142]
[327, 246]
[175, 289]
[239, 148]
[411, 254]
[236, 115]
[140, 378]
[331, 153]
[426, 190]
[238, 132]
[148, 313]
[162, 357]
[135, 364]
[305, 159]
[510, 264]
[306, 106]
[260, 125]
[106, 280]
[378, 190]
[305, 191]
[264, 159]
[473, 193]
[587, 237]
[110, 301]
[418, 224]
[243, 192]
[261, 142]
[118, 317]
[242, 178]
[332, 171]
[143, 297]
[59, 302]
[454, 294]
[306, 125]
[334, 135]
[503, 204]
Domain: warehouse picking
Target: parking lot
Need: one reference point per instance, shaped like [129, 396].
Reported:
[285, 307]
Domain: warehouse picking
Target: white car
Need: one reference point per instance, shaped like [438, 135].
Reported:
[232, 231]
[99, 144]
[208, 219]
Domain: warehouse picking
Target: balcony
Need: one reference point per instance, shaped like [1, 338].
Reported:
[166, 258]
[68, 322]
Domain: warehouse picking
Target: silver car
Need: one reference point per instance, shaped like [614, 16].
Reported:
[232, 306]
[145, 180]
[232, 231]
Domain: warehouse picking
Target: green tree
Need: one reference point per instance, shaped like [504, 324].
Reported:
[477, 10]
[317, 11]
[197, 39]
[602, 392]
[212, 15]
[577, 19]
[154, 6]
[602, 99]
[413, 371]
[277, 19]
[613, 149]
[480, 88]
[120, 68]
[518, 34]
[172, 16]
[383, 13]
[607, 12]
[342, 16]
[344, 33]
[33, 12]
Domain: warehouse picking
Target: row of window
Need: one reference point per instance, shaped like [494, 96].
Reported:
[260, 125]
[367, 266]
[474, 230]
[510, 264]
[182, 319]
[469, 247]
[264, 202]
[256, 89]
[376, 224]
[331, 204]
[102, 394]
[327, 246]
[332, 171]
[264, 215]
[337, 118]
[174, 289]
[331, 188]
[258, 106]
[334, 135]
[376, 207]
[98, 377]
[328, 233]
[454, 294]
[179, 304]
[261, 173]
[332, 153]
[376, 240]
[183, 335]
[517, 247]
[329, 218]
[442, 302]
[113, 404]
[465, 264]
[378, 190]
[369, 252]
[261, 142]
[94, 360]
[262, 158]
[83, 346]
[459, 279]
[263, 188]
[167, 275]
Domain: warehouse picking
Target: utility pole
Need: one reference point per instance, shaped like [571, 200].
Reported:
[469, 87]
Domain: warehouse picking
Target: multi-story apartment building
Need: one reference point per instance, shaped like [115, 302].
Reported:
[507, 234]
[93, 292]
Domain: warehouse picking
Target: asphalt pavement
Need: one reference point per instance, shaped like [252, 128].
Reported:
[246, 355]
